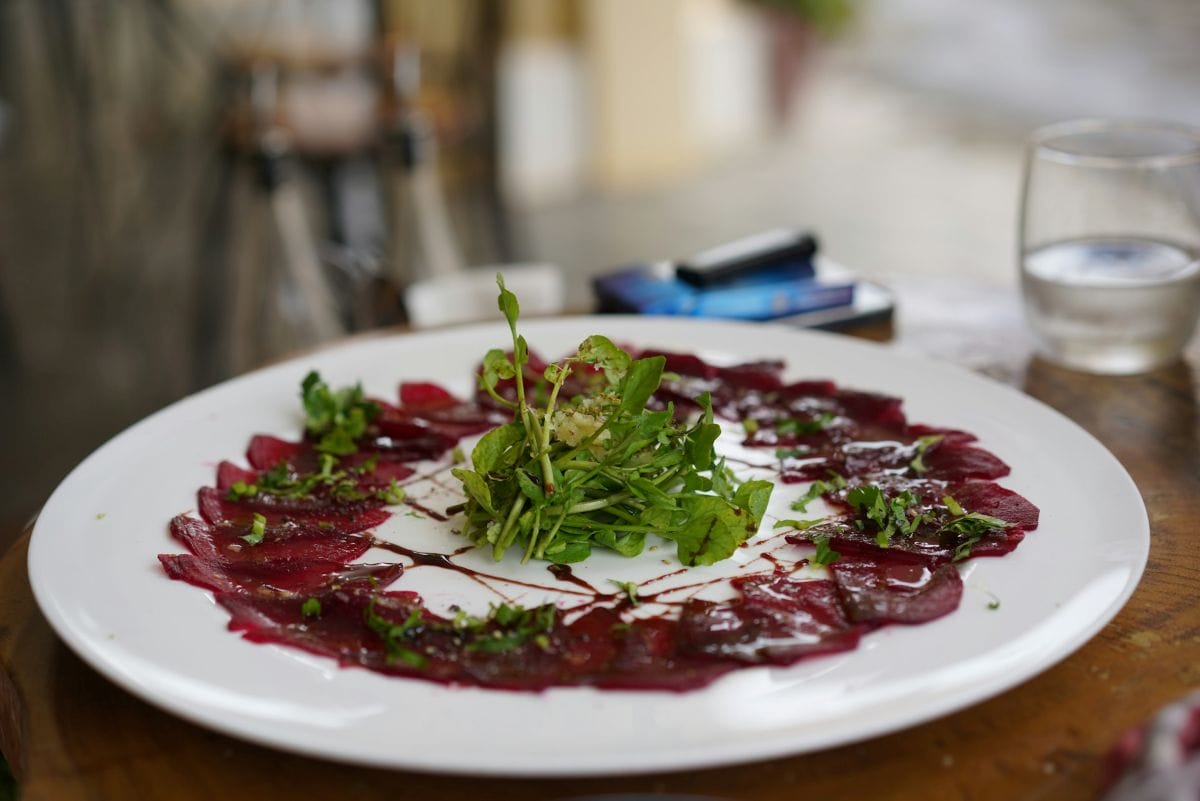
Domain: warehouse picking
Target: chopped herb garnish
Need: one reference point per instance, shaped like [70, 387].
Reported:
[630, 588]
[600, 469]
[750, 426]
[800, 525]
[336, 419]
[311, 608]
[801, 428]
[898, 515]
[819, 489]
[240, 491]
[395, 636]
[969, 527]
[393, 494]
[508, 627]
[457, 456]
[258, 530]
[922, 445]
[282, 482]
[824, 555]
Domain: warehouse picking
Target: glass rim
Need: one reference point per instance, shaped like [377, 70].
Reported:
[1040, 142]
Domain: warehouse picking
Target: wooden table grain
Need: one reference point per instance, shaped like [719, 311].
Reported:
[70, 734]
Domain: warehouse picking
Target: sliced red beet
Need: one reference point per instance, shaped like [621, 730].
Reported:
[289, 575]
[289, 542]
[647, 658]
[927, 544]
[265, 451]
[229, 474]
[804, 389]
[434, 408]
[684, 364]
[992, 499]
[872, 408]
[403, 439]
[950, 463]
[760, 376]
[416, 396]
[338, 631]
[949, 436]
[352, 517]
[779, 621]
[879, 589]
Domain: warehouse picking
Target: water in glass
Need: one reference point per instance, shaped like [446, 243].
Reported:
[1112, 305]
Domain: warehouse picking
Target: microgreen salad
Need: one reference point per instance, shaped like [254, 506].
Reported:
[600, 470]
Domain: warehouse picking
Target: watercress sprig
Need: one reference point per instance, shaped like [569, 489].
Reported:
[599, 469]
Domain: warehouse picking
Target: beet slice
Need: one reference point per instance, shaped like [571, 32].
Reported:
[951, 463]
[266, 451]
[879, 589]
[422, 396]
[949, 436]
[289, 575]
[778, 621]
[761, 376]
[287, 542]
[992, 499]
[349, 517]
[339, 631]
[229, 474]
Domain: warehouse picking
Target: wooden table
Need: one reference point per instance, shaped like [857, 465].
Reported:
[72, 735]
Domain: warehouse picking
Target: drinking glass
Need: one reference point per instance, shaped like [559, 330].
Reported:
[1110, 243]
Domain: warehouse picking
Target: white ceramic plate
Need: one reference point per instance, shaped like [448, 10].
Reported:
[93, 567]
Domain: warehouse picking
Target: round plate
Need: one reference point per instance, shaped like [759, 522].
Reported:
[94, 572]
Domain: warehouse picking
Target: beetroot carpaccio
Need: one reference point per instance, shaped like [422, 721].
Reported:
[909, 503]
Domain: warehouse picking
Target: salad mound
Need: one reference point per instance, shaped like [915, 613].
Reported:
[599, 468]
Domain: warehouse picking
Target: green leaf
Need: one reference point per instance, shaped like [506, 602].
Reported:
[496, 368]
[799, 525]
[531, 489]
[489, 452]
[640, 383]
[649, 423]
[824, 555]
[507, 303]
[712, 532]
[753, 496]
[600, 351]
[568, 552]
[629, 544]
[818, 489]
[650, 493]
[476, 487]
[699, 447]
